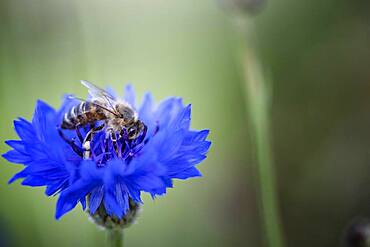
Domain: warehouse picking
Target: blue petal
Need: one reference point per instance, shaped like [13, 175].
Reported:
[33, 181]
[149, 182]
[96, 198]
[17, 176]
[146, 109]
[91, 177]
[83, 202]
[168, 182]
[171, 145]
[187, 173]
[158, 192]
[17, 145]
[24, 129]
[115, 167]
[195, 136]
[64, 206]
[199, 148]
[122, 197]
[41, 119]
[166, 110]
[130, 95]
[111, 205]
[182, 120]
[16, 157]
[69, 198]
[134, 193]
[184, 162]
[45, 167]
[89, 171]
[37, 151]
[54, 188]
[146, 114]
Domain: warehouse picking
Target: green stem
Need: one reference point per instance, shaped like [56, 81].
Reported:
[115, 238]
[259, 100]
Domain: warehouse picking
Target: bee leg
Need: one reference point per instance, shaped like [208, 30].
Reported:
[78, 132]
[142, 136]
[114, 140]
[73, 145]
[86, 144]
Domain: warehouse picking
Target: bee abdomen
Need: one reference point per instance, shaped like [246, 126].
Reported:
[82, 114]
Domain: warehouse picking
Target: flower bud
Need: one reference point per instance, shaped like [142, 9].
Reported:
[358, 234]
[250, 7]
[103, 219]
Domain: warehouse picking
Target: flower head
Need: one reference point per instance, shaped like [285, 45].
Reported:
[118, 168]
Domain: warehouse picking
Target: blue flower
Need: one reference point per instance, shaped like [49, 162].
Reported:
[117, 172]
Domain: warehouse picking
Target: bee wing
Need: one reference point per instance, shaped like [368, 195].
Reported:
[100, 95]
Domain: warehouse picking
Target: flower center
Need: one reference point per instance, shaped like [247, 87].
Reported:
[105, 147]
[101, 144]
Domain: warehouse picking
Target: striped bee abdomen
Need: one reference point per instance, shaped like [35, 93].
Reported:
[81, 114]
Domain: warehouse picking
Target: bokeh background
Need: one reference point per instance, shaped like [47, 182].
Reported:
[317, 54]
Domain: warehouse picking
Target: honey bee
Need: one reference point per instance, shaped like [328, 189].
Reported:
[119, 117]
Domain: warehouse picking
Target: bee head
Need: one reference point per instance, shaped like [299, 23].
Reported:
[126, 112]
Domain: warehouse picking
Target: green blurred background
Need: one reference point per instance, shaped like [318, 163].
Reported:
[317, 54]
